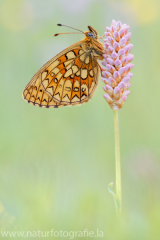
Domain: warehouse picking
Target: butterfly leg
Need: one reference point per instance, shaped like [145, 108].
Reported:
[101, 37]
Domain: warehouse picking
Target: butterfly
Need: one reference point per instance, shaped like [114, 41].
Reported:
[69, 78]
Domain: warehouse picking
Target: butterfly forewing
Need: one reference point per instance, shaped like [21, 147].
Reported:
[69, 78]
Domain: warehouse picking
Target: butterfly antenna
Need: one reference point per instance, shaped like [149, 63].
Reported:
[70, 27]
[57, 34]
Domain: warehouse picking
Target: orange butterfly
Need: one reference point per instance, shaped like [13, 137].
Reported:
[69, 78]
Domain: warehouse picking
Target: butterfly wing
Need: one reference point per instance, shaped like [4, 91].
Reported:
[34, 92]
[69, 78]
[35, 95]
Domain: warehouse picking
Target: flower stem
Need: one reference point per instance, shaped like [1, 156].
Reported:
[117, 159]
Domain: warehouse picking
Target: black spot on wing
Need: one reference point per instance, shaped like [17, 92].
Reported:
[68, 89]
[76, 89]
[66, 57]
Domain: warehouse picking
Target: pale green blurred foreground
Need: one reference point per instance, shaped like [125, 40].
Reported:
[56, 164]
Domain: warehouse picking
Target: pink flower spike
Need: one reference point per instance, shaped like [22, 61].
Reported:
[107, 34]
[119, 25]
[129, 75]
[111, 40]
[122, 32]
[114, 23]
[113, 28]
[105, 80]
[121, 101]
[108, 29]
[114, 55]
[124, 98]
[108, 98]
[126, 79]
[104, 63]
[121, 52]
[106, 74]
[105, 56]
[109, 90]
[121, 85]
[111, 49]
[127, 36]
[117, 63]
[114, 107]
[126, 28]
[109, 81]
[130, 57]
[110, 68]
[128, 48]
[129, 66]
[110, 61]
[124, 61]
[116, 73]
[116, 46]
[104, 88]
[107, 44]
[128, 85]
[113, 83]
[117, 93]
[124, 25]
[122, 41]
[126, 93]
[127, 59]
[122, 70]
[116, 36]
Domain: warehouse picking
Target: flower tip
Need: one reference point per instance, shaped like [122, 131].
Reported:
[104, 88]
[108, 29]
[126, 93]
[114, 23]
[104, 80]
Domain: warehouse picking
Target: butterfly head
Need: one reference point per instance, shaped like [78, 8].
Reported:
[92, 33]
[92, 37]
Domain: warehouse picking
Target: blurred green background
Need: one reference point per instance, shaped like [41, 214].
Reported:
[56, 164]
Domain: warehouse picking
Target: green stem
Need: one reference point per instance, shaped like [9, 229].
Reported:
[118, 164]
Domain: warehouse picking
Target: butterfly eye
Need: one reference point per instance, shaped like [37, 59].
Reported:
[91, 35]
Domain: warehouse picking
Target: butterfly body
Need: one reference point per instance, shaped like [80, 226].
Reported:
[69, 78]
